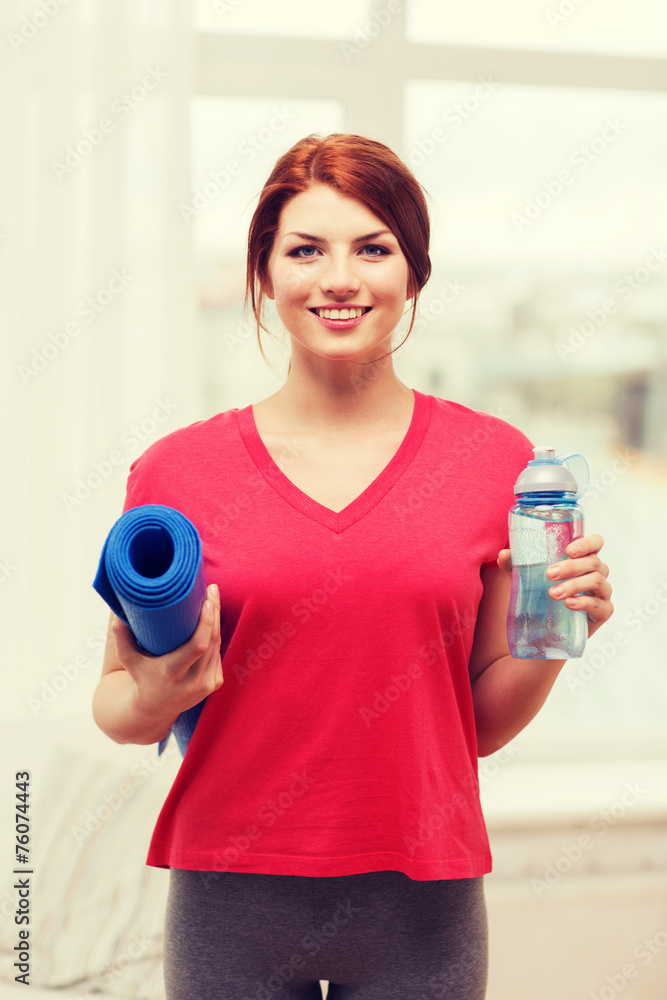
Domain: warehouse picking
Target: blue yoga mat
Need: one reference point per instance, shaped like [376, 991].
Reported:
[151, 574]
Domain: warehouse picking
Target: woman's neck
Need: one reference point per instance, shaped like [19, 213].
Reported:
[339, 395]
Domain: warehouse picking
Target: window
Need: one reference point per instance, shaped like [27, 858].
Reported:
[594, 26]
[293, 18]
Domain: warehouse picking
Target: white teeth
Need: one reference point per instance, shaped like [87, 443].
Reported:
[352, 313]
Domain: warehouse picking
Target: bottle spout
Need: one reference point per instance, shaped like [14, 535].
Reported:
[544, 453]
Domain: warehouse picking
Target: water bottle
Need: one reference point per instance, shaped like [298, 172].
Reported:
[544, 520]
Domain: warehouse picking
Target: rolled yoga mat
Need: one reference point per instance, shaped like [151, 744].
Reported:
[151, 574]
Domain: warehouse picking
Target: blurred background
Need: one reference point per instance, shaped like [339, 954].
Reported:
[136, 138]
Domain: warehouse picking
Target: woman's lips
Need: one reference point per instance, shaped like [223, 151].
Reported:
[340, 324]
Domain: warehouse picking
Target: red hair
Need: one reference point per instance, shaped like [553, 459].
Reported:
[359, 168]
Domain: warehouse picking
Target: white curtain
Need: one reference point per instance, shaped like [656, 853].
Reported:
[98, 311]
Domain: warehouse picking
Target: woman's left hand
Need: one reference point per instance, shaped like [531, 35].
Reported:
[580, 581]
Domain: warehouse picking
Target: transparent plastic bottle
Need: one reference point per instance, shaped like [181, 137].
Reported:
[542, 523]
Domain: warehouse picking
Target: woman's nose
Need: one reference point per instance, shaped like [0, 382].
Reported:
[340, 277]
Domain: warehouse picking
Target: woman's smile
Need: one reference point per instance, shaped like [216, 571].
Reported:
[340, 317]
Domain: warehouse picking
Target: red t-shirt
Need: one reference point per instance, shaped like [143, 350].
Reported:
[343, 737]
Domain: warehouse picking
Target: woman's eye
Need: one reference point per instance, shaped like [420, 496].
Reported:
[378, 251]
[301, 251]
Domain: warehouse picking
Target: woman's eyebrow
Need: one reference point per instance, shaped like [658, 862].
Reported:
[359, 239]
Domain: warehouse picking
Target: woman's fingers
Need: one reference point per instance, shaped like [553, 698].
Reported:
[200, 640]
[211, 677]
[586, 545]
[202, 671]
[591, 583]
[598, 609]
[582, 558]
[196, 652]
[590, 566]
[505, 560]
[169, 684]
[581, 580]
[216, 601]
[204, 636]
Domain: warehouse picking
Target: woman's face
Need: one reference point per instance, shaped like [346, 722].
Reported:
[332, 253]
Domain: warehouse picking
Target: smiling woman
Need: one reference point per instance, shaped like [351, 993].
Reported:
[352, 648]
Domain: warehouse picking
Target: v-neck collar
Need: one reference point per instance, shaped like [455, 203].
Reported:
[337, 520]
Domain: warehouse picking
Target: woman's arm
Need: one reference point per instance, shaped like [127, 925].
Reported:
[507, 692]
[139, 697]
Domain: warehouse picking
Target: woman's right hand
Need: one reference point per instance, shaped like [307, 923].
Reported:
[165, 686]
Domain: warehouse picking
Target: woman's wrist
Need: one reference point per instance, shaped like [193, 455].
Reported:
[119, 713]
[146, 716]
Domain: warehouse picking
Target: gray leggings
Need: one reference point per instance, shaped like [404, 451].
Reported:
[373, 936]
